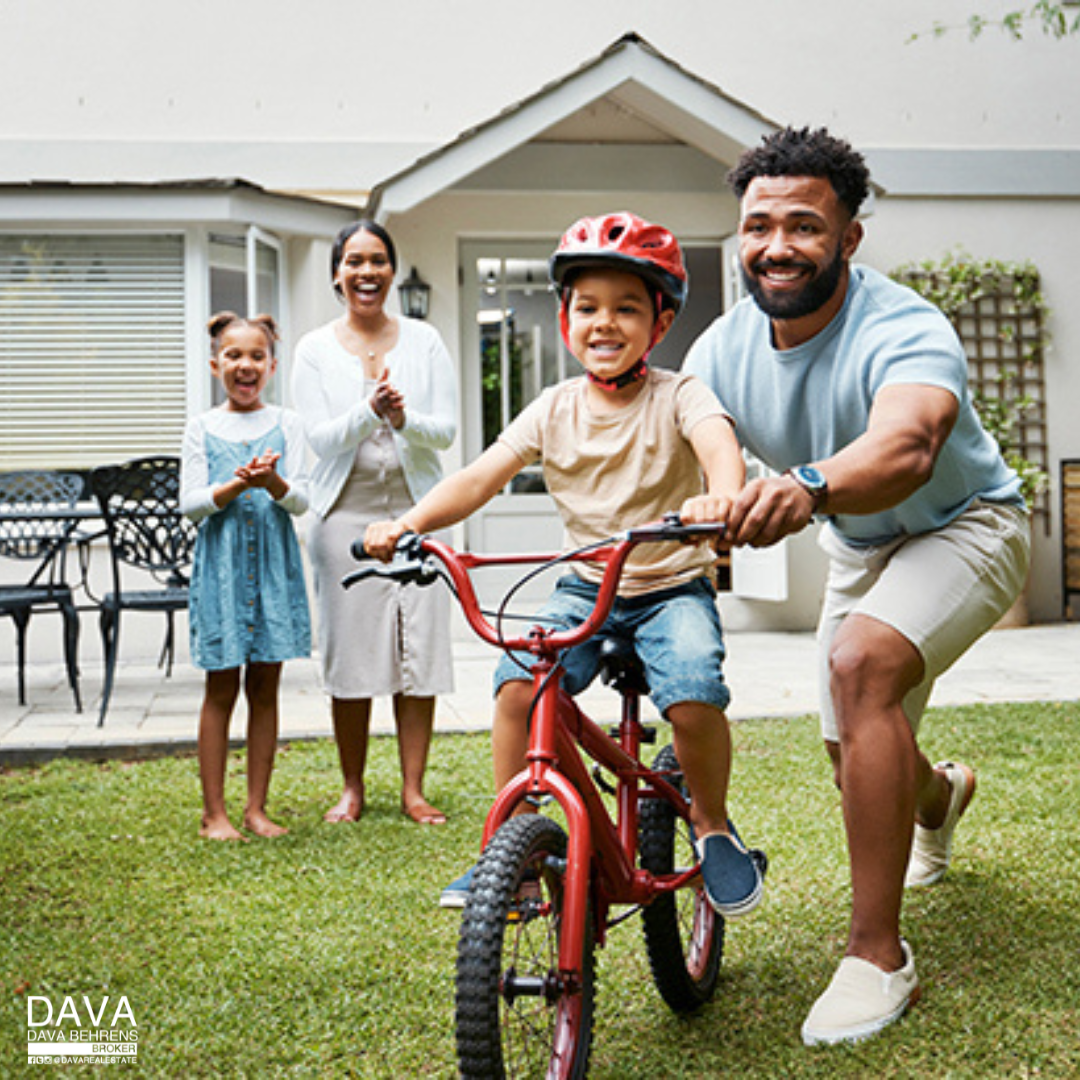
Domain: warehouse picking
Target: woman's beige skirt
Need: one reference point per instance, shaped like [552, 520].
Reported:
[377, 638]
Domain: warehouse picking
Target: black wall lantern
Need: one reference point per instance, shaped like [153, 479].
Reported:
[415, 296]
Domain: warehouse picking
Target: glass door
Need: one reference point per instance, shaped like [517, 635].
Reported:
[517, 338]
[511, 350]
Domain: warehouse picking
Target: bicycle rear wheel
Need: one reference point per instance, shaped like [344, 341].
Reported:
[684, 936]
[515, 1016]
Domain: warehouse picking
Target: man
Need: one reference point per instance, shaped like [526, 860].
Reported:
[855, 390]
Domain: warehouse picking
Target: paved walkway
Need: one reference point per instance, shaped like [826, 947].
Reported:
[770, 675]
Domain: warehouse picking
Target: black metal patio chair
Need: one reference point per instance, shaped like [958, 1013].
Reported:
[36, 522]
[139, 502]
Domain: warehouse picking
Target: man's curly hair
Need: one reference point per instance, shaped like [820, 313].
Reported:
[802, 152]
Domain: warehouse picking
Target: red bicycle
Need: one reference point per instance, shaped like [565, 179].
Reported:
[541, 897]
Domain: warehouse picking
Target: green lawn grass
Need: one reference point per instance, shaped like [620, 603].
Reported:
[324, 954]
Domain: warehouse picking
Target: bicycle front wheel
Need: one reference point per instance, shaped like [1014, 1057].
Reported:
[515, 1015]
[684, 936]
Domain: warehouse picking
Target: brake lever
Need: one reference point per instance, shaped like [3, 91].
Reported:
[408, 566]
[349, 580]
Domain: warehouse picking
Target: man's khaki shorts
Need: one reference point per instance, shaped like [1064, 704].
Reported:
[942, 590]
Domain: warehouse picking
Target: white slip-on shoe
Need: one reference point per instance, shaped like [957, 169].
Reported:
[861, 1000]
[931, 849]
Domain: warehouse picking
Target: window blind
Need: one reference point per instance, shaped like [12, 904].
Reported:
[91, 349]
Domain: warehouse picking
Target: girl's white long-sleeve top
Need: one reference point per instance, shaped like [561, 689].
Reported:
[330, 395]
[196, 486]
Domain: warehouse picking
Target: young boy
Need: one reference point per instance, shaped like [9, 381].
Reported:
[622, 446]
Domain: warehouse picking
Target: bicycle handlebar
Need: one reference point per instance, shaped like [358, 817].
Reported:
[407, 566]
[415, 556]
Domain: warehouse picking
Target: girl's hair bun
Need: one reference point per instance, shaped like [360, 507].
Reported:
[222, 320]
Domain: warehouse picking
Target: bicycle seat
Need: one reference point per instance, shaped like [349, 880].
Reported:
[621, 668]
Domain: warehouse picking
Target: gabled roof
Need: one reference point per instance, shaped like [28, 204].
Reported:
[631, 73]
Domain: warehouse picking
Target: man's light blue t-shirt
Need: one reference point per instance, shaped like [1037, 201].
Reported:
[806, 404]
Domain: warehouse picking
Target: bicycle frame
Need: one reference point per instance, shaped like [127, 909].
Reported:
[555, 767]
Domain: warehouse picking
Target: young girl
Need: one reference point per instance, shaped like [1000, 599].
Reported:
[243, 475]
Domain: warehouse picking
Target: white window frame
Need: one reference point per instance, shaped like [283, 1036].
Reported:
[194, 294]
[249, 238]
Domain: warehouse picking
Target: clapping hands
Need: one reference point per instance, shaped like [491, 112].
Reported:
[388, 402]
[260, 471]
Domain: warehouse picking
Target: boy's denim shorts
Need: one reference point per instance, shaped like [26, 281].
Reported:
[676, 633]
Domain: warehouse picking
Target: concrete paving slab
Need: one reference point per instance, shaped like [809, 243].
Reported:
[770, 674]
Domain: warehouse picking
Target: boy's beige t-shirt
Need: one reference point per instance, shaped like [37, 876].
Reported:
[613, 472]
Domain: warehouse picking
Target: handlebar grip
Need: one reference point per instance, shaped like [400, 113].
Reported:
[672, 528]
[409, 544]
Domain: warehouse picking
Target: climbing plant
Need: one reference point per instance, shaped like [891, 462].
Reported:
[1052, 18]
[1001, 315]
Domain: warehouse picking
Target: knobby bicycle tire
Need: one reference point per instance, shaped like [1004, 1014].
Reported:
[514, 1017]
[684, 936]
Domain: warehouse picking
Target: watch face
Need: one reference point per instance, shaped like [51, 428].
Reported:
[810, 478]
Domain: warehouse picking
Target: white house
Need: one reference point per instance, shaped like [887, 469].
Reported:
[158, 162]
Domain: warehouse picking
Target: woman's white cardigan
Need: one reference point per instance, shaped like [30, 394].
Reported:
[330, 396]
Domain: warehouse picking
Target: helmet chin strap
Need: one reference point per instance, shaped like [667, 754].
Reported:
[632, 374]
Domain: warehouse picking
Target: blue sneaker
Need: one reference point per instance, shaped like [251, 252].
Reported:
[732, 875]
[457, 892]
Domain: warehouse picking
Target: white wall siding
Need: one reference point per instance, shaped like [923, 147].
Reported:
[338, 95]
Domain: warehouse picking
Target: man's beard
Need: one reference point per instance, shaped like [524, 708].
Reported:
[814, 295]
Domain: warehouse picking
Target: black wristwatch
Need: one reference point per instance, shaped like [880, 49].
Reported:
[811, 481]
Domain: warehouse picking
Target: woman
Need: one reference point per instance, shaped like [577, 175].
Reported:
[378, 399]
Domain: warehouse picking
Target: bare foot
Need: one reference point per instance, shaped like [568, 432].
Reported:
[257, 822]
[423, 813]
[348, 808]
[220, 828]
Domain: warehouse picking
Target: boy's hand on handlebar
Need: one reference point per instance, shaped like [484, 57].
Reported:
[705, 510]
[381, 537]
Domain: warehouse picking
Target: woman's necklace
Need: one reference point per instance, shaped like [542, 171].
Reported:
[366, 347]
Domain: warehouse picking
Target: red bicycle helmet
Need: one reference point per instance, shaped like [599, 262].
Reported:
[624, 241]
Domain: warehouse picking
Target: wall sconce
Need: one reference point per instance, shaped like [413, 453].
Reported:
[415, 296]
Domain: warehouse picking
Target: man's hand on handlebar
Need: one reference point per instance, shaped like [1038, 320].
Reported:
[381, 537]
